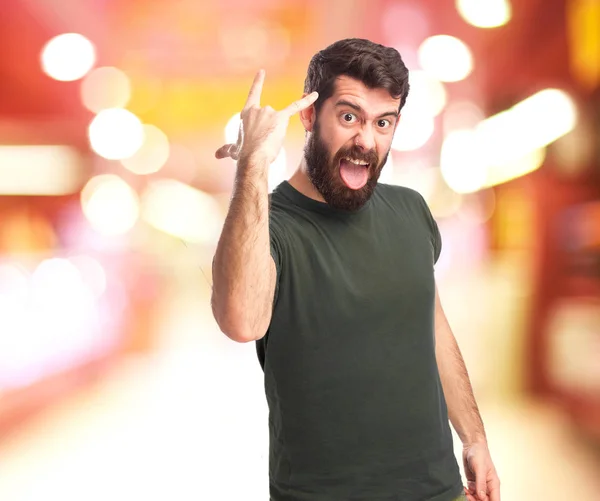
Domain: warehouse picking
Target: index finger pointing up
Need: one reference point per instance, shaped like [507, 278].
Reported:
[301, 104]
[255, 90]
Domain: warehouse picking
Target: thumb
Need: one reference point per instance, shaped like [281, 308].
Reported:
[225, 151]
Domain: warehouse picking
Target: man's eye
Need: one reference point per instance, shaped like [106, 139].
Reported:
[384, 123]
[349, 117]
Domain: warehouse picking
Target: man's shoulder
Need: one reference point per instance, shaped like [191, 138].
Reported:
[398, 192]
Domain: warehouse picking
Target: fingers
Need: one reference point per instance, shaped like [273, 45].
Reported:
[469, 496]
[494, 490]
[481, 488]
[228, 150]
[476, 492]
[255, 90]
[301, 104]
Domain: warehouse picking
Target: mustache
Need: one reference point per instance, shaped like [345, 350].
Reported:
[355, 152]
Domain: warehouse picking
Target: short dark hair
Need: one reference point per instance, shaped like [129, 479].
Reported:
[375, 65]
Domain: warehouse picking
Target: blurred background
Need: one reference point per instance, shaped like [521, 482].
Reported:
[115, 382]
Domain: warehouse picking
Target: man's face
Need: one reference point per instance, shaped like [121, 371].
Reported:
[350, 143]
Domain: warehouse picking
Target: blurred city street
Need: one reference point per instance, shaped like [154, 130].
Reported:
[115, 380]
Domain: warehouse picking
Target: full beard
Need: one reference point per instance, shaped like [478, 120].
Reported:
[324, 173]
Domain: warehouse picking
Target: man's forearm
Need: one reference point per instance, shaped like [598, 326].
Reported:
[462, 407]
[243, 270]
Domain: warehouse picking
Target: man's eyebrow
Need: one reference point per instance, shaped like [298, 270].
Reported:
[356, 107]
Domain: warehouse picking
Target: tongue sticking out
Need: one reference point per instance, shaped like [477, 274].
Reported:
[354, 176]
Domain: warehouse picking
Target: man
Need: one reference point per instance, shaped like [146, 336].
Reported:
[333, 276]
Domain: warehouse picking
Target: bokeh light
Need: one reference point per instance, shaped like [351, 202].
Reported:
[446, 57]
[528, 126]
[43, 169]
[387, 172]
[13, 287]
[68, 57]
[116, 134]
[110, 204]
[460, 162]
[51, 275]
[499, 170]
[182, 211]
[278, 170]
[105, 88]
[232, 129]
[92, 273]
[413, 131]
[427, 94]
[152, 155]
[485, 13]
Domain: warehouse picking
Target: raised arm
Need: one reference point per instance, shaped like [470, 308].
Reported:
[244, 273]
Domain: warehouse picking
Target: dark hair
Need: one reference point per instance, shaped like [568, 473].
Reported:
[373, 64]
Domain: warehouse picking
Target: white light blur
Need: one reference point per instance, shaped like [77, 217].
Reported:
[232, 129]
[152, 155]
[507, 145]
[13, 286]
[278, 170]
[68, 57]
[446, 57]
[182, 211]
[39, 170]
[529, 125]
[498, 172]
[54, 275]
[105, 88]
[63, 309]
[14, 292]
[485, 13]
[92, 273]
[387, 173]
[462, 163]
[49, 321]
[417, 177]
[116, 134]
[427, 94]
[413, 131]
[110, 204]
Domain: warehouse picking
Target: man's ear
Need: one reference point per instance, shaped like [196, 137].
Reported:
[308, 116]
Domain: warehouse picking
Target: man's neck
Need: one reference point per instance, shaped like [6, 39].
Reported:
[301, 182]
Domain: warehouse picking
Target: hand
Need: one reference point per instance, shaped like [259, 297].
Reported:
[482, 479]
[262, 130]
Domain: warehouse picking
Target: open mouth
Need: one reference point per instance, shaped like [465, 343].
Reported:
[354, 172]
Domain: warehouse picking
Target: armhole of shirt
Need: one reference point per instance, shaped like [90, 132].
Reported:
[276, 243]
[436, 237]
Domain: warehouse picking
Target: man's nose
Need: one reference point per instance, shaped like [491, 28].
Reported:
[365, 139]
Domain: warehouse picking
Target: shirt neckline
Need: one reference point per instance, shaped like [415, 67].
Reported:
[300, 199]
